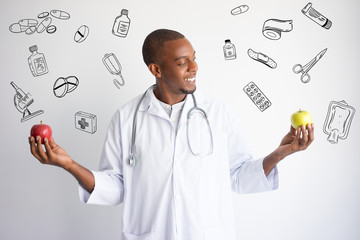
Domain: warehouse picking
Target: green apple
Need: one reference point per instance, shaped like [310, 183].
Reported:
[300, 118]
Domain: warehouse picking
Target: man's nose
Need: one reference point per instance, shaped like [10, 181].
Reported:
[193, 67]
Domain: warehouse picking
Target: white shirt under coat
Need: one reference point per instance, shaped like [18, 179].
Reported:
[171, 194]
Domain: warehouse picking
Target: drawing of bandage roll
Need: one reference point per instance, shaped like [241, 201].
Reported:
[272, 28]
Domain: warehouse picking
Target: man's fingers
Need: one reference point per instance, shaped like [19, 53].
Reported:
[304, 135]
[40, 150]
[310, 130]
[34, 149]
[47, 148]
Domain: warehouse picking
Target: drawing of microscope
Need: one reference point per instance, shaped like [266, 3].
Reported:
[22, 101]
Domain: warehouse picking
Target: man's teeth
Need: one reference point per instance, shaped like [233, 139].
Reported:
[190, 79]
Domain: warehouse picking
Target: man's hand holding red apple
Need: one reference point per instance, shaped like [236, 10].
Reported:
[53, 154]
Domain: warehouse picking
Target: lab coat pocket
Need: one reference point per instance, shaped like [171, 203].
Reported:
[215, 233]
[146, 236]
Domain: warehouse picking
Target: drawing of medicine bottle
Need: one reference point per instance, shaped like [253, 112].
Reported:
[229, 50]
[37, 62]
[121, 24]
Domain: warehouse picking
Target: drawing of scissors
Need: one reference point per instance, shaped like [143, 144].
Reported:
[298, 68]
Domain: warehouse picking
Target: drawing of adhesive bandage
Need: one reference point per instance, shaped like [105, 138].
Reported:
[272, 28]
[260, 57]
[62, 86]
[114, 67]
[338, 121]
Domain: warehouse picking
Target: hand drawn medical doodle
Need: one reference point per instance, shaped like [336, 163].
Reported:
[338, 121]
[114, 67]
[272, 28]
[317, 17]
[37, 62]
[121, 24]
[62, 86]
[86, 122]
[229, 50]
[81, 34]
[257, 96]
[239, 9]
[60, 14]
[298, 68]
[260, 57]
[30, 26]
[22, 102]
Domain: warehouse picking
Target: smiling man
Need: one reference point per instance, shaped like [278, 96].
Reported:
[148, 161]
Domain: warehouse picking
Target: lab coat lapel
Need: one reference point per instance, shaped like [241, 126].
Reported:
[152, 106]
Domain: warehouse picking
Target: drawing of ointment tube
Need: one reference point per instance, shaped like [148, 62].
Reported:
[317, 17]
[272, 28]
[114, 67]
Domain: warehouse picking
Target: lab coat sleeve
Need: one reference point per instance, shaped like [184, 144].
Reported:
[109, 185]
[247, 174]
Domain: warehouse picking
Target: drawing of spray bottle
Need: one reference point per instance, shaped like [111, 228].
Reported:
[121, 24]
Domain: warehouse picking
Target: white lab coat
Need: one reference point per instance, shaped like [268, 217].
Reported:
[170, 193]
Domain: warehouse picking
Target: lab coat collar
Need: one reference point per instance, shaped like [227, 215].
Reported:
[151, 104]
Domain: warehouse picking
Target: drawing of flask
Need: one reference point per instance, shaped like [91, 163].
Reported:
[229, 50]
[37, 62]
[121, 24]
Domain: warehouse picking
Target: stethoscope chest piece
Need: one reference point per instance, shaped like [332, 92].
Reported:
[132, 161]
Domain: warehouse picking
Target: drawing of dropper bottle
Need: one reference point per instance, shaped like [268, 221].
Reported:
[121, 24]
[37, 62]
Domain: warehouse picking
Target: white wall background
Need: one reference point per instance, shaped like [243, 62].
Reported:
[319, 191]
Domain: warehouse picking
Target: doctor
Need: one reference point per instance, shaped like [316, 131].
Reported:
[169, 192]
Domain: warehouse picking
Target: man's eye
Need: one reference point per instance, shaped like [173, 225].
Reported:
[182, 63]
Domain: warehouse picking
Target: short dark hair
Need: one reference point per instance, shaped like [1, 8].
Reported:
[153, 47]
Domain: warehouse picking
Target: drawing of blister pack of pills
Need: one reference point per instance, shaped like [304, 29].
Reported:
[257, 96]
[338, 121]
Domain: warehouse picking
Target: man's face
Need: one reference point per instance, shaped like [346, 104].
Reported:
[178, 67]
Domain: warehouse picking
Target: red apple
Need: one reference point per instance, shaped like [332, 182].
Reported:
[42, 130]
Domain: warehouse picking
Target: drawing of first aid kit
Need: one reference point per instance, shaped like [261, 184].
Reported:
[86, 122]
[338, 121]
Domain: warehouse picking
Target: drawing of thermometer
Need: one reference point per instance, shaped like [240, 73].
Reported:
[113, 65]
[298, 68]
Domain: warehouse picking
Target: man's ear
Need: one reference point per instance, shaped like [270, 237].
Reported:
[155, 70]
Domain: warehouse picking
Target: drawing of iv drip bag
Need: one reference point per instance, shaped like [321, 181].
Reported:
[338, 121]
[114, 67]
[272, 28]
[62, 86]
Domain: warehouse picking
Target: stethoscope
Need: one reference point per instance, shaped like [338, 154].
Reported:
[192, 111]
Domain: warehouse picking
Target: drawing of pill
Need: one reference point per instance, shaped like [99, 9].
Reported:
[43, 15]
[60, 14]
[51, 29]
[240, 9]
[81, 34]
[28, 22]
[17, 28]
[43, 25]
[30, 30]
